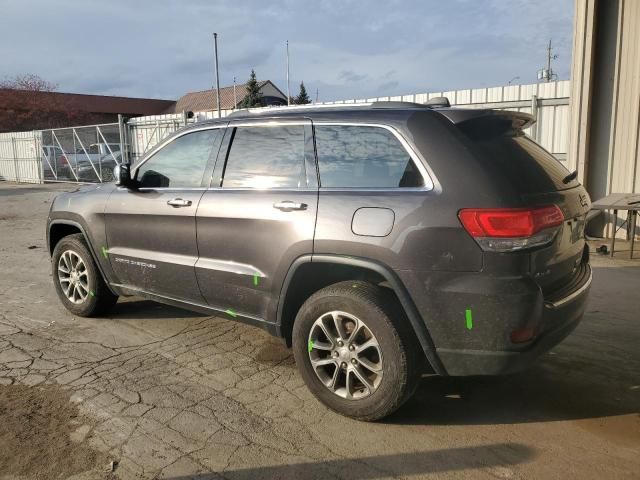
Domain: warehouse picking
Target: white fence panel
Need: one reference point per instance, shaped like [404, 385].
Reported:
[20, 157]
[552, 103]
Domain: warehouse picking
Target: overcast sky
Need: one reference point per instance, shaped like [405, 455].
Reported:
[346, 49]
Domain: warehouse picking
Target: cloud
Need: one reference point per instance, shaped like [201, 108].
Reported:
[344, 48]
[349, 76]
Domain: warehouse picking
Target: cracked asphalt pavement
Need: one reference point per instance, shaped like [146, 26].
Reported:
[166, 393]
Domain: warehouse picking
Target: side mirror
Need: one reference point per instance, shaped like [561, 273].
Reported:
[122, 174]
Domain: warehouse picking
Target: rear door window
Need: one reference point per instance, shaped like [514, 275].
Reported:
[363, 157]
[266, 157]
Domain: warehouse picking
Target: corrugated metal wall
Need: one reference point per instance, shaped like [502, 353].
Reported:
[624, 174]
[605, 107]
[607, 62]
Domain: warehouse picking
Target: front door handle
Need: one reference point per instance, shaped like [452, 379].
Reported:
[288, 206]
[179, 202]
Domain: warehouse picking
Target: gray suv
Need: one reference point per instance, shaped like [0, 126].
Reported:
[381, 241]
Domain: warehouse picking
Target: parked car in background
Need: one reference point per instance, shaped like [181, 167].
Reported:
[94, 164]
[380, 241]
[56, 164]
[100, 162]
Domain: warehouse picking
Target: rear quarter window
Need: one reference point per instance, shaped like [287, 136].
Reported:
[363, 157]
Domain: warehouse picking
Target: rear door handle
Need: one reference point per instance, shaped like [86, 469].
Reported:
[288, 206]
[179, 202]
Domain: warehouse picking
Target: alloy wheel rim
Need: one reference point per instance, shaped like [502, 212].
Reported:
[73, 276]
[345, 355]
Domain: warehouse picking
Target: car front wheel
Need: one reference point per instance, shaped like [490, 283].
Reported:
[355, 350]
[77, 280]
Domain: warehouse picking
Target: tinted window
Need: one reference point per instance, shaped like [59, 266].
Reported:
[352, 156]
[181, 163]
[266, 157]
[506, 152]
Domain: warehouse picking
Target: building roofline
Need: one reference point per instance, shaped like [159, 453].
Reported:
[85, 95]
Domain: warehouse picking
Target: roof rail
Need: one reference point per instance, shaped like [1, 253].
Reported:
[289, 108]
[433, 103]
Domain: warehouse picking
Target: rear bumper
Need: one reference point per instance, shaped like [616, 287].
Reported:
[498, 308]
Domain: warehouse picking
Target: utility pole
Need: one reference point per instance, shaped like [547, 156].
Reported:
[549, 58]
[316, 94]
[235, 99]
[546, 74]
[288, 86]
[215, 49]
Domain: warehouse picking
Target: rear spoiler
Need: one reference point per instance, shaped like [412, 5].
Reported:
[463, 117]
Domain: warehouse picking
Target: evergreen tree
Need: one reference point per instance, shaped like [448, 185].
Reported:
[302, 98]
[254, 96]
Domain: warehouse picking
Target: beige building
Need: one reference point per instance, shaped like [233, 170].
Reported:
[605, 96]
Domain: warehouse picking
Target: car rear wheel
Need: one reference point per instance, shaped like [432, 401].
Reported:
[77, 280]
[355, 350]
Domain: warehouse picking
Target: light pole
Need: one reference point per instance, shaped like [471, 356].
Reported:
[215, 49]
[288, 86]
[235, 99]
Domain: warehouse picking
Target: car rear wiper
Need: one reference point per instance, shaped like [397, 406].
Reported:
[570, 177]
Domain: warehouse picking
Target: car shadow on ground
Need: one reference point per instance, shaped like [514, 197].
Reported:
[385, 466]
[539, 395]
[139, 309]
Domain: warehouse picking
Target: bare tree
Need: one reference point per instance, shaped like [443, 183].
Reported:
[28, 102]
[30, 82]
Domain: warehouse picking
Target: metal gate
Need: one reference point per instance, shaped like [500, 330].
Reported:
[145, 132]
[81, 154]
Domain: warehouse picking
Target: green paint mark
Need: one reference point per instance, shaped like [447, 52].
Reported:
[104, 252]
[255, 279]
[310, 345]
[469, 318]
[231, 313]
[92, 294]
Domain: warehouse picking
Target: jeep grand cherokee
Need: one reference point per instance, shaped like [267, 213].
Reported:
[381, 241]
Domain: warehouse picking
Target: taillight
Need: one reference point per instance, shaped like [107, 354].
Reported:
[508, 229]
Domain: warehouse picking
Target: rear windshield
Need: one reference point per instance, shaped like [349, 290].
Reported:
[510, 153]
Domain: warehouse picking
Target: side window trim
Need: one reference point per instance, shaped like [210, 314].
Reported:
[170, 140]
[310, 176]
[427, 178]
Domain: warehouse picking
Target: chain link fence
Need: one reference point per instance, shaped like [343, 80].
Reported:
[81, 154]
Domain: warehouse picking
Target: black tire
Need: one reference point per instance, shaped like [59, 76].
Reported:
[380, 311]
[99, 299]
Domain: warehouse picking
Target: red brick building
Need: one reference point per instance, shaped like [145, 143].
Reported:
[29, 110]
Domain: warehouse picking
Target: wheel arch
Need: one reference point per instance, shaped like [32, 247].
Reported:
[310, 273]
[60, 228]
